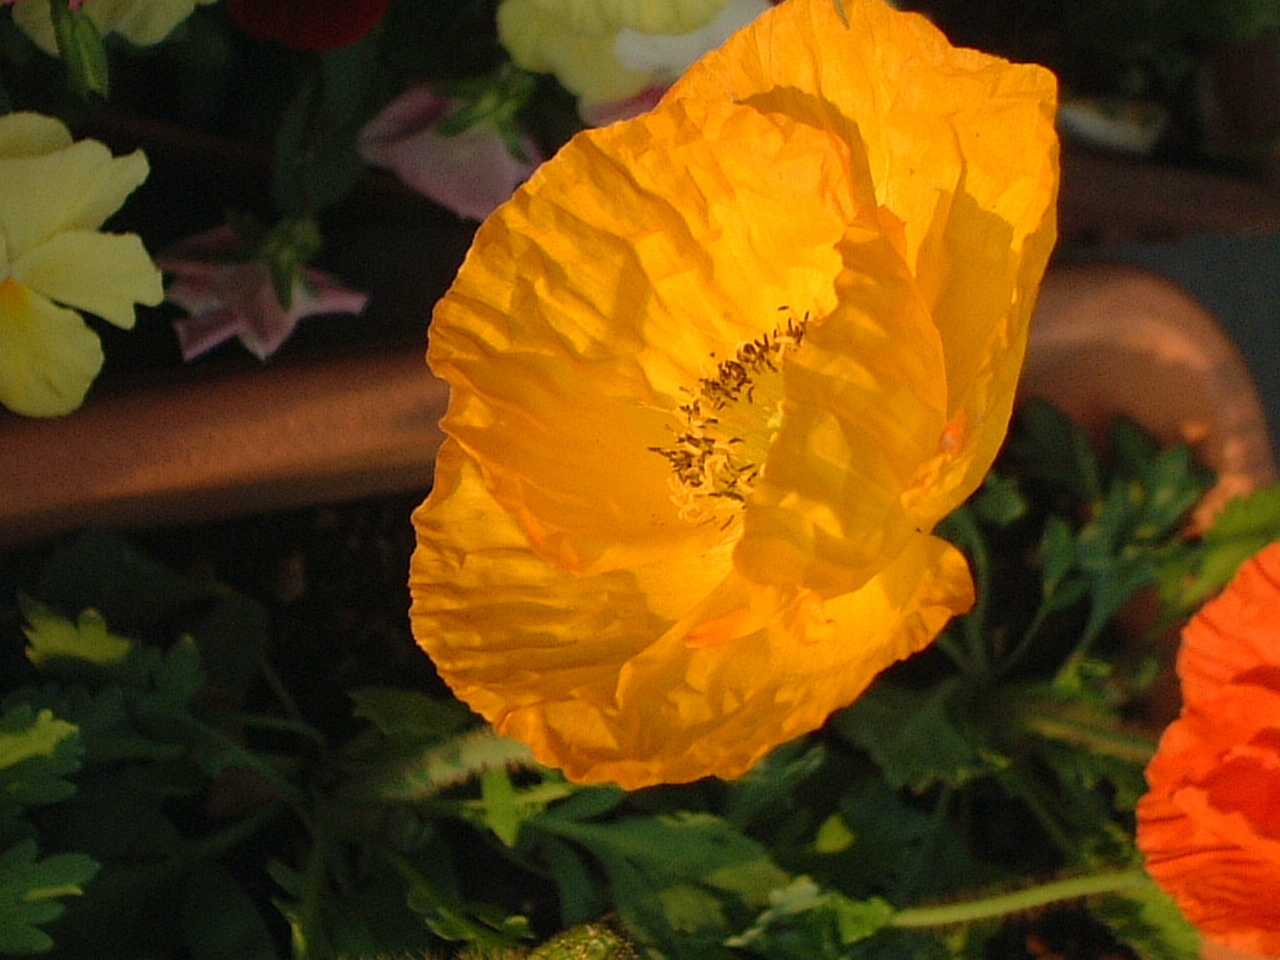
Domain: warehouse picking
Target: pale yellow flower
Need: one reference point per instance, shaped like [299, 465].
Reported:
[54, 195]
[717, 372]
[609, 50]
[141, 22]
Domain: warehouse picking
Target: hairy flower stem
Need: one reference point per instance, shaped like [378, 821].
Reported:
[987, 908]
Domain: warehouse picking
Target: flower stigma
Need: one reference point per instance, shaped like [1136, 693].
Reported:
[728, 424]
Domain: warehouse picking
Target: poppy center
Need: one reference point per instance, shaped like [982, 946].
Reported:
[727, 426]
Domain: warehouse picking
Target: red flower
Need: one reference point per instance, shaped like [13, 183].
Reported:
[1210, 825]
[308, 24]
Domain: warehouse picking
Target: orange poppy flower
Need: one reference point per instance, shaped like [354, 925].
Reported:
[1210, 825]
[717, 372]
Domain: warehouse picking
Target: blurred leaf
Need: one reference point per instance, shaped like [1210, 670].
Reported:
[37, 752]
[410, 715]
[650, 860]
[1047, 446]
[30, 890]
[999, 501]
[913, 736]
[1242, 528]
[180, 675]
[81, 49]
[499, 799]
[769, 785]
[1146, 919]
[52, 636]
[805, 922]
[220, 921]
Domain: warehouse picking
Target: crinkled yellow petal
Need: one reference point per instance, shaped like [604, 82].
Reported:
[864, 405]
[31, 134]
[930, 114]
[141, 22]
[75, 188]
[617, 277]
[587, 671]
[962, 150]
[600, 17]
[584, 63]
[48, 357]
[105, 274]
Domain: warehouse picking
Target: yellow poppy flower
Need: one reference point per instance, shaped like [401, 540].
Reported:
[141, 22]
[54, 194]
[717, 373]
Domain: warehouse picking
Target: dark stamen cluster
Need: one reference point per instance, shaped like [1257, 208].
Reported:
[704, 462]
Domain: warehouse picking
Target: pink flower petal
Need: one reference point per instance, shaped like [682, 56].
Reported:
[237, 299]
[470, 173]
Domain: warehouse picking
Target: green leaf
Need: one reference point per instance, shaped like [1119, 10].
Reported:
[499, 800]
[649, 862]
[410, 715]
[37, 752]
[805, 922]
[181, 674]
[768, 787]
[30, 892]
[1047, 446]
[80, 46]
[221, 921]
[1146, 919]
[1000, 501]
[53, 637]
[913, 736]
[1242, 528]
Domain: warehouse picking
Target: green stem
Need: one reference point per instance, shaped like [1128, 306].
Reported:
[263, 721]
[987, 908]
[1122, 746]
[1028, 638]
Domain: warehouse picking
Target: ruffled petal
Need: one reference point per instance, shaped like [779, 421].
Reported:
[1210, 825]
[48, 357]
[649, 250]
[589, 673]
[75, 188]
[864, 406]
[929, 113]
[1236, 632]
[105, 274]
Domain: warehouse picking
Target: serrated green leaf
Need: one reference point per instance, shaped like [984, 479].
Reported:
[1146, 919]
[1242, 528]
[410, 715]
[644, 856]
[913, 737]
[805, 922]
[53, 637]
[30, 891]
[37, 752]
[770, 784]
